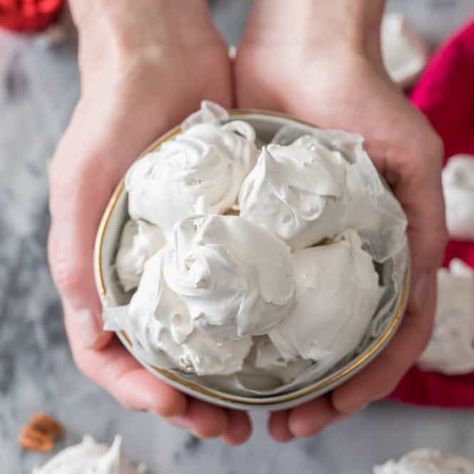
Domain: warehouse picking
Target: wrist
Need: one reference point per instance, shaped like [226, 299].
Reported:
[351, 26]
[140, 23]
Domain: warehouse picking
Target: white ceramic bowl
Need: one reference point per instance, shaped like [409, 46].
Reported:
[111, 294]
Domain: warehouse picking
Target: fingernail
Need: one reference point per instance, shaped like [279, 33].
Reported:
[88, 331]
[421, 288]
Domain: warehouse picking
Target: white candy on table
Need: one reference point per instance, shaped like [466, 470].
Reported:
[426, 461]
[451, 347]
[404, 51]
[458, 187]
[89, 457]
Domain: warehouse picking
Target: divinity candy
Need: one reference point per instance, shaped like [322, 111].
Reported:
[89, 457]
[200, 171]
[248, 262]
[458, 187]
[426, 461]
[450, 350]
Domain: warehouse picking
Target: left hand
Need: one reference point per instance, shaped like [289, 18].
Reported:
[135, 58]
[338, 81]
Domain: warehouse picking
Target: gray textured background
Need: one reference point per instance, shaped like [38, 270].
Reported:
[38, 89]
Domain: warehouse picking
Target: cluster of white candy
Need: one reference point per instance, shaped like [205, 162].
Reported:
[231, 248]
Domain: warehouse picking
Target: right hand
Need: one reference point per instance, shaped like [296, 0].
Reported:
[144, 67]
[327, 69]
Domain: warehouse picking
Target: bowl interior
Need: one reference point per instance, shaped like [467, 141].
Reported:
[111, 293]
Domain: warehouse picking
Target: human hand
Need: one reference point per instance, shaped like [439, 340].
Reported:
[326, 68]
[144, 67]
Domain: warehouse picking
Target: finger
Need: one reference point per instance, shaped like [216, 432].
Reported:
[239, 428]
[278, 426]
[383, 374]
[203, 419]
[118, 373]
[312, 417]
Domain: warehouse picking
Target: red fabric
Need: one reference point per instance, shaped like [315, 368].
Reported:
[28, 15]
[445, 93]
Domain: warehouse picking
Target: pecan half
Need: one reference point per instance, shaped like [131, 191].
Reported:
[40, 433]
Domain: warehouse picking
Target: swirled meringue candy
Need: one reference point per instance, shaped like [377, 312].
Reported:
[319, 186]
[200, 171]
[203, 295]
[458, 187]
[89, 457]
[161, 329]
[296, 193]
[337, 293]
[426, 461]
[139, 241]
[234, 276]
[450, 350]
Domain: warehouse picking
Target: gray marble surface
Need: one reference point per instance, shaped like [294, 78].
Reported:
[38, 89]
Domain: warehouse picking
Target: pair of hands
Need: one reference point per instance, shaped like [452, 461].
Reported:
[144, 67]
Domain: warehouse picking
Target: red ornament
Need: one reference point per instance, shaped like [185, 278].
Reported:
[28, 15]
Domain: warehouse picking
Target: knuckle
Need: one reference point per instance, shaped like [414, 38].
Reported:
[418, 166]
[126, 403]
[424, 156]
[82, 365]
[64, 177]
[441, 238]
[435, 148]
[434, 249]
[68, 274]
[57, 178]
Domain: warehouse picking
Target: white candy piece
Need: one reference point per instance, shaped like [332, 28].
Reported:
[451, 350]
[426, 461]
[297, 193]
[404, 51]
[458, 187]
[200, 171]
[319, 186]
[139, 241]
[89, 457]
[160, 326]
[234, 276]
[337, 294]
